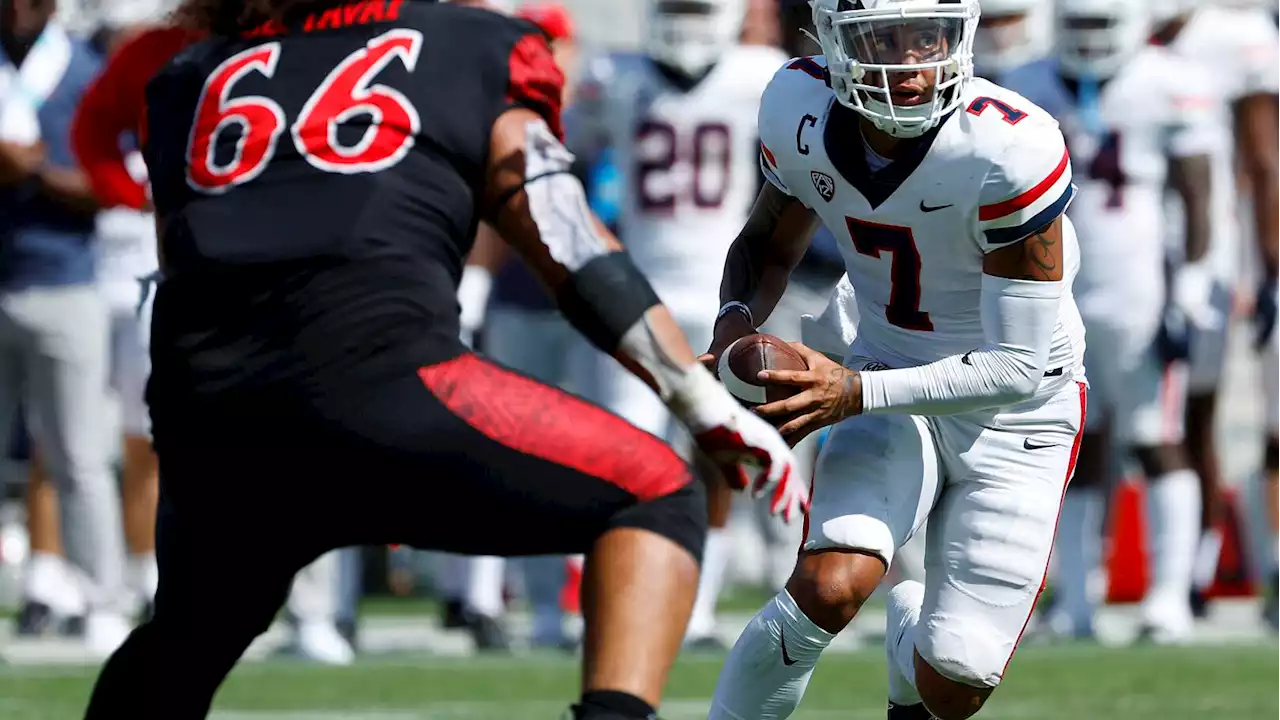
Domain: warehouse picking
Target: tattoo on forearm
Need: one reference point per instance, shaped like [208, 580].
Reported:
[1038, 251]
[848, 401]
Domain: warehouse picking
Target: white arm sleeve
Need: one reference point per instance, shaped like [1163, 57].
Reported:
[1018, 319]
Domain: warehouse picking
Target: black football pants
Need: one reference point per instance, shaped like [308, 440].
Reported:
[465, 456]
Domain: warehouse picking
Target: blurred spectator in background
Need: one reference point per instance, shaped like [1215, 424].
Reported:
[105, 139]
[761, 25]
[1011, 35]
[126, 253]
[53, 322]
[522, 329]
[680, 120]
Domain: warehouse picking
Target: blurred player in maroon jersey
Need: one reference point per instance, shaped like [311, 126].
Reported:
[318, 170]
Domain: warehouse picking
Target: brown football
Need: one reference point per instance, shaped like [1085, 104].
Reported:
[745, 358]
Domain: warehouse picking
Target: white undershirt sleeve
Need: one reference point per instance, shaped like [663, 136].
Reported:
[1018, 320]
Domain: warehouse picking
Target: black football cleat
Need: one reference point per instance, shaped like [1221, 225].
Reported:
[349, 629]
[72, 626]
[1199, 603]
[453, 615]
[488, 633]
[35, 619]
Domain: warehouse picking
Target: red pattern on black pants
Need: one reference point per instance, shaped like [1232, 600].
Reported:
[547, 423]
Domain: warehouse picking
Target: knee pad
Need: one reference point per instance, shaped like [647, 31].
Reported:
[859, 533]
[875, 481]
[680, 516]
[967, 650]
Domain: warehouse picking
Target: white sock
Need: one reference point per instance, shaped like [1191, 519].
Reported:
[900, 641]
[313, 597]
[1175, 533]
[484, 586]
[1207, 554]
[143, 575]
[1078, 553]
[715, 557]
[47, 579]
[765, 677]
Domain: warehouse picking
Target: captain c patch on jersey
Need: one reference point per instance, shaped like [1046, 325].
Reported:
[824, 184]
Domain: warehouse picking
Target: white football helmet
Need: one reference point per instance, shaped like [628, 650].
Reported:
[1012, 33]
[1095, 38]
[691, 35]
[876, 48]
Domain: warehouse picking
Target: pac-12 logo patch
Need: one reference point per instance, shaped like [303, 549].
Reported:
[824, 184]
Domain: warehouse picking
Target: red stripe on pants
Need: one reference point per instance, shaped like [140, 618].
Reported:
[547, 423]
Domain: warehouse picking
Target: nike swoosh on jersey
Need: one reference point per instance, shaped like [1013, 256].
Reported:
[1027, 444]
[782, 639]
[933, 208]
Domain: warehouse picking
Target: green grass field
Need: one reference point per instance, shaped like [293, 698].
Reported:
[1059, 683]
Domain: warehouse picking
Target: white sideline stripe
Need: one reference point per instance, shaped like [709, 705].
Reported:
[684, 709]
[681, 709]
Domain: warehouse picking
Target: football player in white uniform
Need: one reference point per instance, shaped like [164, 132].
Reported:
[1012, 33]
[1243, 42]
[681, 121]
[962, 399]
[1138, 118]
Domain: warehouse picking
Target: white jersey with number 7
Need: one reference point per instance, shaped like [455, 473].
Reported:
[916, 230]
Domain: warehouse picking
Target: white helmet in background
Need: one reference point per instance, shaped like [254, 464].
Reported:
[1162, 11]
[1012, 33]
[1095, 38]
[691, 35]
[876, 48]
[126, 13]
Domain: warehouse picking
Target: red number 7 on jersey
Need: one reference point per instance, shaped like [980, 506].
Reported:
[344, 94]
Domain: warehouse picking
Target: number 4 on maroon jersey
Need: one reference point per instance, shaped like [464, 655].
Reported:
[344, 94]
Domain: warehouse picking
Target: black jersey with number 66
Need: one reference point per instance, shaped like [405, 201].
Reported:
[318, 184]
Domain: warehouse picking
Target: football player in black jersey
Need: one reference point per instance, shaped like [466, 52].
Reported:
[318, 169]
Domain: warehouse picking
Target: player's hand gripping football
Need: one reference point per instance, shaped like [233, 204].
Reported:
[728, 329]
[829, 393]
[737, 441]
